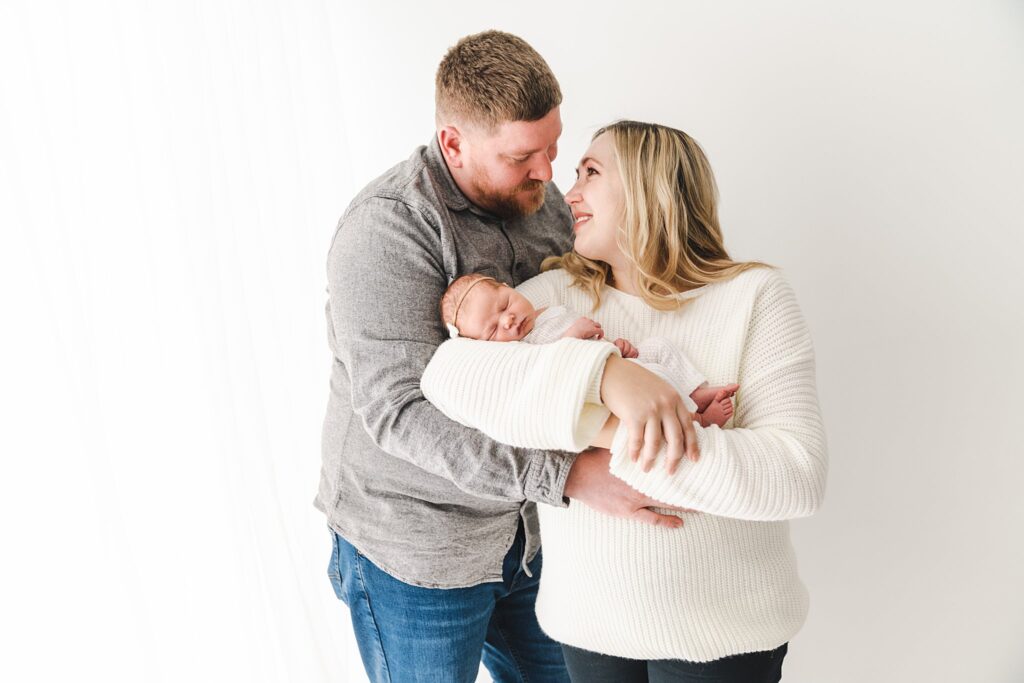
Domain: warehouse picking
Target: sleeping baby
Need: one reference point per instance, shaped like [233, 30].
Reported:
[479, 307]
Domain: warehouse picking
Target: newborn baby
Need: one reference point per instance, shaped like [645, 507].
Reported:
[479, 307]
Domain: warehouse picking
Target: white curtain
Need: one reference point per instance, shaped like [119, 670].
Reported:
[171, 173]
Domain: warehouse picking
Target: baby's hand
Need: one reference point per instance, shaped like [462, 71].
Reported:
[585, 328]
[627, 349]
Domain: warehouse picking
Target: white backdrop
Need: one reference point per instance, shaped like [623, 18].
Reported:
[170, 176]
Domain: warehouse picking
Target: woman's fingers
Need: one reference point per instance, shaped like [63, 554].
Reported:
[689, 434]
[675, 431]
[635, 439]
[675, 443]
[643, 402]
[652, 443]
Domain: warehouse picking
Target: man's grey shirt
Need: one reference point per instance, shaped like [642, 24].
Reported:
[430, 501]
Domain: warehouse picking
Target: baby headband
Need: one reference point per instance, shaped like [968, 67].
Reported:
[453, 331]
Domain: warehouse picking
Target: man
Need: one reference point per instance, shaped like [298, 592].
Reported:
[434, 525]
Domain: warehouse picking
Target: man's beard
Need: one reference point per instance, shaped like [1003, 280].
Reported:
[508, 205]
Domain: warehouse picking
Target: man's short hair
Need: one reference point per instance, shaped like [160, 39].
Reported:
[489, 78]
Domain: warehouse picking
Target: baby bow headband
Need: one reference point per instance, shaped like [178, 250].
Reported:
[453, 330]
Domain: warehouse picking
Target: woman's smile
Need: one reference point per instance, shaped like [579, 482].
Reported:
[581, 218]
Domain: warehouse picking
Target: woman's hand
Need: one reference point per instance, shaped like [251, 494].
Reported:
[653, 412]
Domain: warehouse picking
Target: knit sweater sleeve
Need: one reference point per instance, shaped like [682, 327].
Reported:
[533, 396]
[772, 465]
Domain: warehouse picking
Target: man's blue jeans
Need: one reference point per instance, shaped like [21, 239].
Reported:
[408, 633]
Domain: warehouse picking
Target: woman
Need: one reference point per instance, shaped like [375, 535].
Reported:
[719, 598]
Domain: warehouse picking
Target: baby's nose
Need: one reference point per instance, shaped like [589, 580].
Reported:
[508, 320]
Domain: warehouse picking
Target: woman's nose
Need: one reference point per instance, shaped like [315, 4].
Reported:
[573, 195]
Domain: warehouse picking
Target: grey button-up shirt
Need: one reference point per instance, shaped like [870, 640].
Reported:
[430, 501]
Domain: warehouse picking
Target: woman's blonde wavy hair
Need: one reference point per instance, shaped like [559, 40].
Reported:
[670, 231]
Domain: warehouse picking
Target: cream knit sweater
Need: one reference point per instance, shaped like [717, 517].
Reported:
[725, 583]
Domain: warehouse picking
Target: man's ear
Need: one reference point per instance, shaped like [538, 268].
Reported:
[451, 141]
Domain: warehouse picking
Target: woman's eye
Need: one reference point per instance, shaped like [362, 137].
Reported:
[591, 171]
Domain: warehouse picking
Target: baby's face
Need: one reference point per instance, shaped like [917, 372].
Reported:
[495, 314]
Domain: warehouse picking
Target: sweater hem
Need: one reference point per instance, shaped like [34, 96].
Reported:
[616, 648]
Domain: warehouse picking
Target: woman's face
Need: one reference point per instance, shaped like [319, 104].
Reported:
[597, 203]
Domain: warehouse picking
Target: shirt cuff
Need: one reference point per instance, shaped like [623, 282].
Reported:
[549, 470]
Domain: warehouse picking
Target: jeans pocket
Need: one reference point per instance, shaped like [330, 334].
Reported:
[334, 569]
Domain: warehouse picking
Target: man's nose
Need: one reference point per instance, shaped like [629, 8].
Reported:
[542, 170]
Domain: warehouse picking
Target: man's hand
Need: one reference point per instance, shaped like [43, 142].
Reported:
[585, 328]
[591, 483]
[652, 410]
[626, 349]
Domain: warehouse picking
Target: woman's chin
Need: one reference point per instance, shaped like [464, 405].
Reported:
[582, 250]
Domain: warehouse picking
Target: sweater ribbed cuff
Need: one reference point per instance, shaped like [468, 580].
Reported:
[589, 416]
[593, 394]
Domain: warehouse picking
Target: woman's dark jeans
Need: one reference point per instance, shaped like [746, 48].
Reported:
[752, 667]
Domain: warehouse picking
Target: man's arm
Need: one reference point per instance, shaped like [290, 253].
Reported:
[385, 279]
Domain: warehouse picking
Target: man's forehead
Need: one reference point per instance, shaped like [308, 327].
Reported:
[528, 136]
